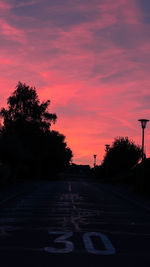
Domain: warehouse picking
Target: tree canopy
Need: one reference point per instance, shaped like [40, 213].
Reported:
[27, 142]
[24, 105]
[122, 155]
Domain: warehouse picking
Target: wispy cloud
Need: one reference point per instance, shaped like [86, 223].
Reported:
[91, 58]
[4, 5]
[11, 33]
[28, 3]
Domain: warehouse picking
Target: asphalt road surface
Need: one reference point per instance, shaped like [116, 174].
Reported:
[73, 223]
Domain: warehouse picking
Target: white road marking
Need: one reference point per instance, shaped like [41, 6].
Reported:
[110, 250]
[89, 246]
[69, 246]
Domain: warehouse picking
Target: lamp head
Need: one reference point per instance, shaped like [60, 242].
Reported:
[107, 147]
[143, 123]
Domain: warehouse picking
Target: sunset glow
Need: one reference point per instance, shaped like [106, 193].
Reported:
[91, 58]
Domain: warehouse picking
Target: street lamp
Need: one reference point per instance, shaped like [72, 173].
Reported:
[95, 160]
[107, 147]
[143, 124]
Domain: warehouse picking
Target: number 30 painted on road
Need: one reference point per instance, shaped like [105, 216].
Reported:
[69, 246]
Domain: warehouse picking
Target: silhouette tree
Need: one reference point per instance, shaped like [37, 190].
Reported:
[122, 156]
[24, 105]
[27, 143]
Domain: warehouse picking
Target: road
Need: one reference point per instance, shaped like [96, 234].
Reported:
[73, 223]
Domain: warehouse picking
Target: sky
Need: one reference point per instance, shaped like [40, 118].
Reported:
[91, 58]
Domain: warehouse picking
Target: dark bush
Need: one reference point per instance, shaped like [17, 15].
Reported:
[142, 174]
[121, 157]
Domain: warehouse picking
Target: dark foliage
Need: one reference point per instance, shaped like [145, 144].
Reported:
[24, 106]
[122, 156]
[27, 144]
[99, 172]
[142, 176]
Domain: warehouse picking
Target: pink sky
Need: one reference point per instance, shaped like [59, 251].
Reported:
[91, 58]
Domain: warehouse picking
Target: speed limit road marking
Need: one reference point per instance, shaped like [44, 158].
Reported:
[87, 241]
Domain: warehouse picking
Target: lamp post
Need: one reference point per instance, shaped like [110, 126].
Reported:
[107, 147]
[143, 124]
[95, 160]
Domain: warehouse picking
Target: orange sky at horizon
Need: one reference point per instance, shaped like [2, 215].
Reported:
[90, 58]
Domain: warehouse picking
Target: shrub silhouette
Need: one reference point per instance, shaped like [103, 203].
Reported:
[142, 174]
[122, 156]
[27, 143]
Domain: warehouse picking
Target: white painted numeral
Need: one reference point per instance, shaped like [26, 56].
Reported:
[69, 246]
[87, 239]
[110, 250]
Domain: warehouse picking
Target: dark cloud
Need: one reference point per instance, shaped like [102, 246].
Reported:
[144, 102]
[145, 5]
[146, 19]
[145, 8]
[120, 76]
[126, 36]
[74, 110]
[58, 13]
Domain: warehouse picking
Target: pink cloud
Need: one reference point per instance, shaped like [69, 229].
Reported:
[4, 5]
[33, 2]
[94, 71]
[11, 33]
